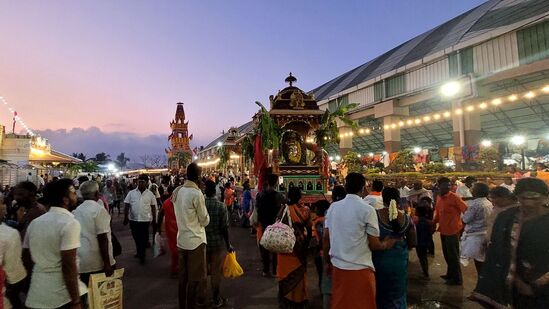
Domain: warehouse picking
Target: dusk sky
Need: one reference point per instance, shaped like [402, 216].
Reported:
[98, 76]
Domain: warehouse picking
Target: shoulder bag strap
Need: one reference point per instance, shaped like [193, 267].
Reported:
[299, 216]
[287, 213]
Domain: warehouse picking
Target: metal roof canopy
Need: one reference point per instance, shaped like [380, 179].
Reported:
[455, 33]
[524, 116]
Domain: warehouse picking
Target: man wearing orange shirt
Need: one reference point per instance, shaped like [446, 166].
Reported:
[449, 208]
[228, 197]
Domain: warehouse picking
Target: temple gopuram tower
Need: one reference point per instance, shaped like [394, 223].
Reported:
[180, 153]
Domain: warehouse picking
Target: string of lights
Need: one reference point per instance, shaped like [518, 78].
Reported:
[16, 117]
[209, 163]
[446, 114]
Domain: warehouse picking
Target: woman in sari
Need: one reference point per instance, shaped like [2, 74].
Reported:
[516, 272]
[292, 267]
[391, 266]
[166, 216]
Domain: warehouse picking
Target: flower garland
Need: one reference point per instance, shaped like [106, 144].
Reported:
[393, 210]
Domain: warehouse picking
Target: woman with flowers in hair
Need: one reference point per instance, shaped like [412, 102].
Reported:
[391, 266]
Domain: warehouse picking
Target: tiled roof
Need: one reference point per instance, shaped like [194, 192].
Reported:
[243, 129]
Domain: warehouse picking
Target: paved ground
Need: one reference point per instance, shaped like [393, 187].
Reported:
[149, 286]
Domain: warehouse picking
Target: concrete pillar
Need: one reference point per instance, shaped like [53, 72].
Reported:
[345, 140]
[391, 114]
[391, 134]
[466, 126]
[466, 132]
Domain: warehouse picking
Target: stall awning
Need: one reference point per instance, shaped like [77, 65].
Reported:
[51, 157]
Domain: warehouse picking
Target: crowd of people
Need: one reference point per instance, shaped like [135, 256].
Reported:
[53, 239]
[54, 236]
[360, 241]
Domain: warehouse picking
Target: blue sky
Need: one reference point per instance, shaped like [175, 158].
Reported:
[120, 66]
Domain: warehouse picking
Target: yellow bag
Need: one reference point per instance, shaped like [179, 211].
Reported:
[231, 268]
[106, 292]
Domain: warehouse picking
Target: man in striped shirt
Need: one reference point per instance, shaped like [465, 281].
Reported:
[217, 235]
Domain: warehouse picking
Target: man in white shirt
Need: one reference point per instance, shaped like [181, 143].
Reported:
[351, 233]
[51, 242]
[404, 192]
[508, 184]
[10, 261]
[464, 191]
[95, 254]
[139, 212]
[374, 198]
[192, 218]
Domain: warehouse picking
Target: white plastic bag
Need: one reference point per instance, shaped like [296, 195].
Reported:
[159, 247]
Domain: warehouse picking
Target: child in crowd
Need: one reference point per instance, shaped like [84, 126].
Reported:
[320, 208]
[427, 202]
[424, 229]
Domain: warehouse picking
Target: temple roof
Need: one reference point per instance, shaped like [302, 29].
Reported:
[292, 98]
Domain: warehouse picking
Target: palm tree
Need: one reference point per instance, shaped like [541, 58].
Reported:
[80, 156]
[122, 160]
[328, 131]
[102, 157]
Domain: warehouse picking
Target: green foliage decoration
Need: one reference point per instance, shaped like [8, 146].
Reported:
[267, 129]
[182, 158]
[247, 147]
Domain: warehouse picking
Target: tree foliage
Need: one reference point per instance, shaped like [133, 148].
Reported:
[101, 157]
[488, 159]
[80, 156]
[353, 162]
[435, 168]
[86, 167]
[328, 131]
[223, 153]
[403, 162]
[122, 160]
[153, 161]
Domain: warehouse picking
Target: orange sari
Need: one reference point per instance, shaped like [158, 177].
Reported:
[292, 267]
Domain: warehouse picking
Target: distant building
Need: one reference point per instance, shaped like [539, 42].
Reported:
[180, 153]
[24, 157]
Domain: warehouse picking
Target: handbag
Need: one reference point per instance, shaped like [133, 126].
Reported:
[279, 237]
